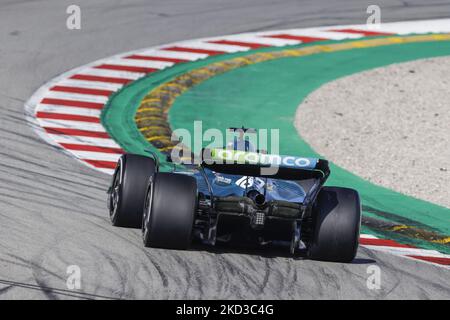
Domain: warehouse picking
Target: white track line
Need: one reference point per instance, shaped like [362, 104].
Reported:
[314, 33]
[91, 141]
[215, 46]
[100, 156]
[190, 56]
[273, 42]
[367, 236]
[75, 83]
[51, 108]
[76, 97]
[69, 124]
[140, 63]
[112, 73]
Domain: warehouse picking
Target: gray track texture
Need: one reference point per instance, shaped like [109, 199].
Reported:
[52, 209]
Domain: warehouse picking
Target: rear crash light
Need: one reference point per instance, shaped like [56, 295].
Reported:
[258, 219]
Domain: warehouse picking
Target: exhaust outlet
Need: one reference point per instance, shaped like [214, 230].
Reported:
[258, 198]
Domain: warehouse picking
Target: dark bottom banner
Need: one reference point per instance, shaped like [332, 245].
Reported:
[216, 309]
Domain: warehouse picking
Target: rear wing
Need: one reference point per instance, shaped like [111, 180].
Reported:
[260, 164]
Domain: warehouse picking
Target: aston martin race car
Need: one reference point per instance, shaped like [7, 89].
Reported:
[237, 197]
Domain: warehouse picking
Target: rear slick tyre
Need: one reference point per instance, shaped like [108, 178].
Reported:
[169, 211]
[336, 221]
[128, 190]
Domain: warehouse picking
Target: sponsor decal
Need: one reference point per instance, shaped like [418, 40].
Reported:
[222, 181]
[242, 157]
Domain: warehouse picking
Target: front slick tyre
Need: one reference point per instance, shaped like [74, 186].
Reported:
[336, 220]
[169, 211]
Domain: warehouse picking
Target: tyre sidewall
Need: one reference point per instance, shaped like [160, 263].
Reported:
[173, 206]
[337, 220]
[134, 171]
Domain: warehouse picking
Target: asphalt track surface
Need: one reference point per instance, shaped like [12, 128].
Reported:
[53, 210]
